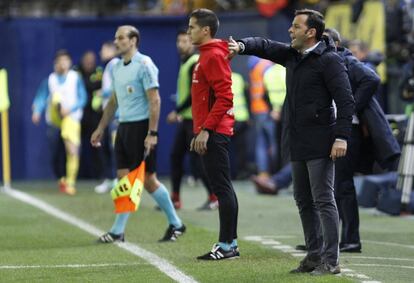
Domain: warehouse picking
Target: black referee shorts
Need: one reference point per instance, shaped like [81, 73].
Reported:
[129, 146]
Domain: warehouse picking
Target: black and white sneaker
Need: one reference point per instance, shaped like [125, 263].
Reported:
[217, 253]
[110, 238]
[172, 233]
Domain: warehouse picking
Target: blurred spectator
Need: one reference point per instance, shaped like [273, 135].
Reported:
[275, 84]
[261, 107]
[361, 51]
[371, 59]
[274, 80]
[92, 159]
[241, 116]
[43, 102]
[64, 97]
[406, 86]
[76, 8]
[271, 185]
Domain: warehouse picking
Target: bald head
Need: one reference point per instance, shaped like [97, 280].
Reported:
[131, 31]
[126, 39]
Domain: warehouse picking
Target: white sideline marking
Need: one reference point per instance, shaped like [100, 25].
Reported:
[267, 240]
[284, 247]
[381, 265]
[355, 275]
[378, 257]
[254, 238]
[160, 263]
[270, 242]
[389, 244]
[69, 265]
[299, 255]
[258, 238]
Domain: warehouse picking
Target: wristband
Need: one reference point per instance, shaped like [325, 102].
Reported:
[153, 133]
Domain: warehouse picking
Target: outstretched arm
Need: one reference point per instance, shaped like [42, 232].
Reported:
[261, 47]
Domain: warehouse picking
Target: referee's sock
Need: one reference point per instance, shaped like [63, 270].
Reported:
[227, 246]
[120, 223]
[162, 198]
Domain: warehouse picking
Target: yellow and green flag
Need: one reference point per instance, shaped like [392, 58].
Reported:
[127, 192]
[4, 92]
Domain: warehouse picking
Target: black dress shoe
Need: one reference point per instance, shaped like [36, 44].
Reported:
[350, 248]
[301, 248]
[326, 268]
[307, 265]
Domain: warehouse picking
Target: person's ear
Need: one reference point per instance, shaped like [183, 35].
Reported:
[311, 32]
[206, 30]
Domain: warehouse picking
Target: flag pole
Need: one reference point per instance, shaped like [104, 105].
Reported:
[5, 149]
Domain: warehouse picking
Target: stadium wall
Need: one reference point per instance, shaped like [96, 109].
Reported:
[27, 48]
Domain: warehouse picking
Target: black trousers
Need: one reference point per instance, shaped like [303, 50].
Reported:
[217, 164]
[345, 194]
[58, 153]
[181, 147]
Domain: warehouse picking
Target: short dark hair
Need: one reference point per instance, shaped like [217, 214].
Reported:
[315, 20]
[206, 18]
[334, 34]
[61, 53]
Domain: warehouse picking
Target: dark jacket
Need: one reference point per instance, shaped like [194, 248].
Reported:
[385, 148]
[365, 82]
[312, 82]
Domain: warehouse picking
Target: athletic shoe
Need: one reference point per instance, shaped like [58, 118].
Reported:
[110, 238]
[308, 264]
[236, 250]
[105, 187]
[172, 233]
[217, 253]
[70, 190]
[209, 205]
[62, 185]
[326, 268]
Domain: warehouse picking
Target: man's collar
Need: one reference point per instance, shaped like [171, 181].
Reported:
[311, 48]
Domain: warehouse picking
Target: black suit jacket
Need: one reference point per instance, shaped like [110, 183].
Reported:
[313, 81]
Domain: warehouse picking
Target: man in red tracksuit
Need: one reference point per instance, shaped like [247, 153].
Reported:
[212, 107]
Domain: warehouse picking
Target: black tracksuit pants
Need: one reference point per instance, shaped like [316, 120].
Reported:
[217, 164]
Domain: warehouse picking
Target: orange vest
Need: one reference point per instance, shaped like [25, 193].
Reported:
[257, 88]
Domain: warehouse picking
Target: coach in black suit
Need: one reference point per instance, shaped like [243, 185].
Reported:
[315, 77]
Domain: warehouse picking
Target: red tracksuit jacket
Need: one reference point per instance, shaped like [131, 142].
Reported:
[212, 99]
